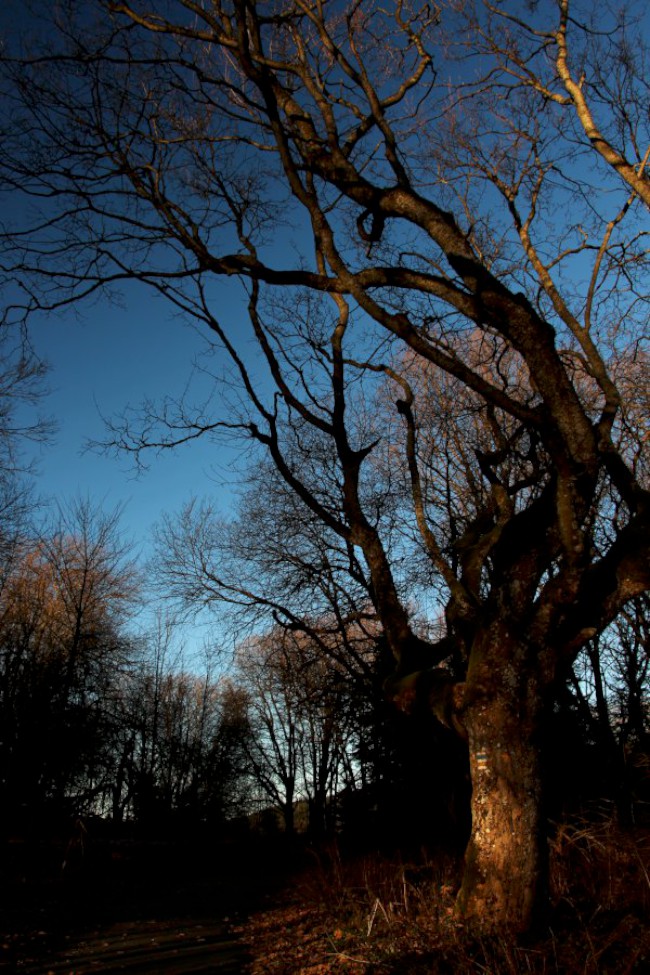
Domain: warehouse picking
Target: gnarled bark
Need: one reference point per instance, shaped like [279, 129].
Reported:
[504, 880]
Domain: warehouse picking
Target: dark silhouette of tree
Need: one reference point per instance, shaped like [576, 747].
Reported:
[270, 694]
[303, 725]
[175, 761]
[62, 646]
[458, 195]
[611, 698]
[22, 387]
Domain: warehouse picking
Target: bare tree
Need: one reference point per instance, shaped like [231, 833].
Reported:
[302, 577]
[302, 724]
[611, 682]
[22, 387]
[584, 62]
[174, 758]
[63, 648]
[447, 202]
[272, 701]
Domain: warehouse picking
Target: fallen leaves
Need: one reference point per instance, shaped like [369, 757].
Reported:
[299, 939]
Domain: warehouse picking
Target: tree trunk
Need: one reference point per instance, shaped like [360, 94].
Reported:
[288, 810]
[505, 879]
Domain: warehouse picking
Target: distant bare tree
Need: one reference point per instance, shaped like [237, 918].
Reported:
[63, 647]
[302, 727]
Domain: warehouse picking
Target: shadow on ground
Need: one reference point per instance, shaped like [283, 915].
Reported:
[137, 907]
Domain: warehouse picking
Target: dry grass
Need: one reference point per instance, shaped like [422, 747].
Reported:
[377, 916]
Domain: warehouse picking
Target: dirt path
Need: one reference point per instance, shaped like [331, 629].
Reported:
[169, 947]
[161, 912]
[164, 931]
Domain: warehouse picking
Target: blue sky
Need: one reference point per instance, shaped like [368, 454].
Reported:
[102, 359]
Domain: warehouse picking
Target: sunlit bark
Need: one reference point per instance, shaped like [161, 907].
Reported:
[502, 713]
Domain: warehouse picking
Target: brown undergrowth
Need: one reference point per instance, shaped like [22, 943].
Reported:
[380, 916]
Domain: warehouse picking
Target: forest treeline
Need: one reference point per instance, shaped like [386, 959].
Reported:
[296, 733]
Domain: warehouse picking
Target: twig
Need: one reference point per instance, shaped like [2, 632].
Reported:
[373, 914]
